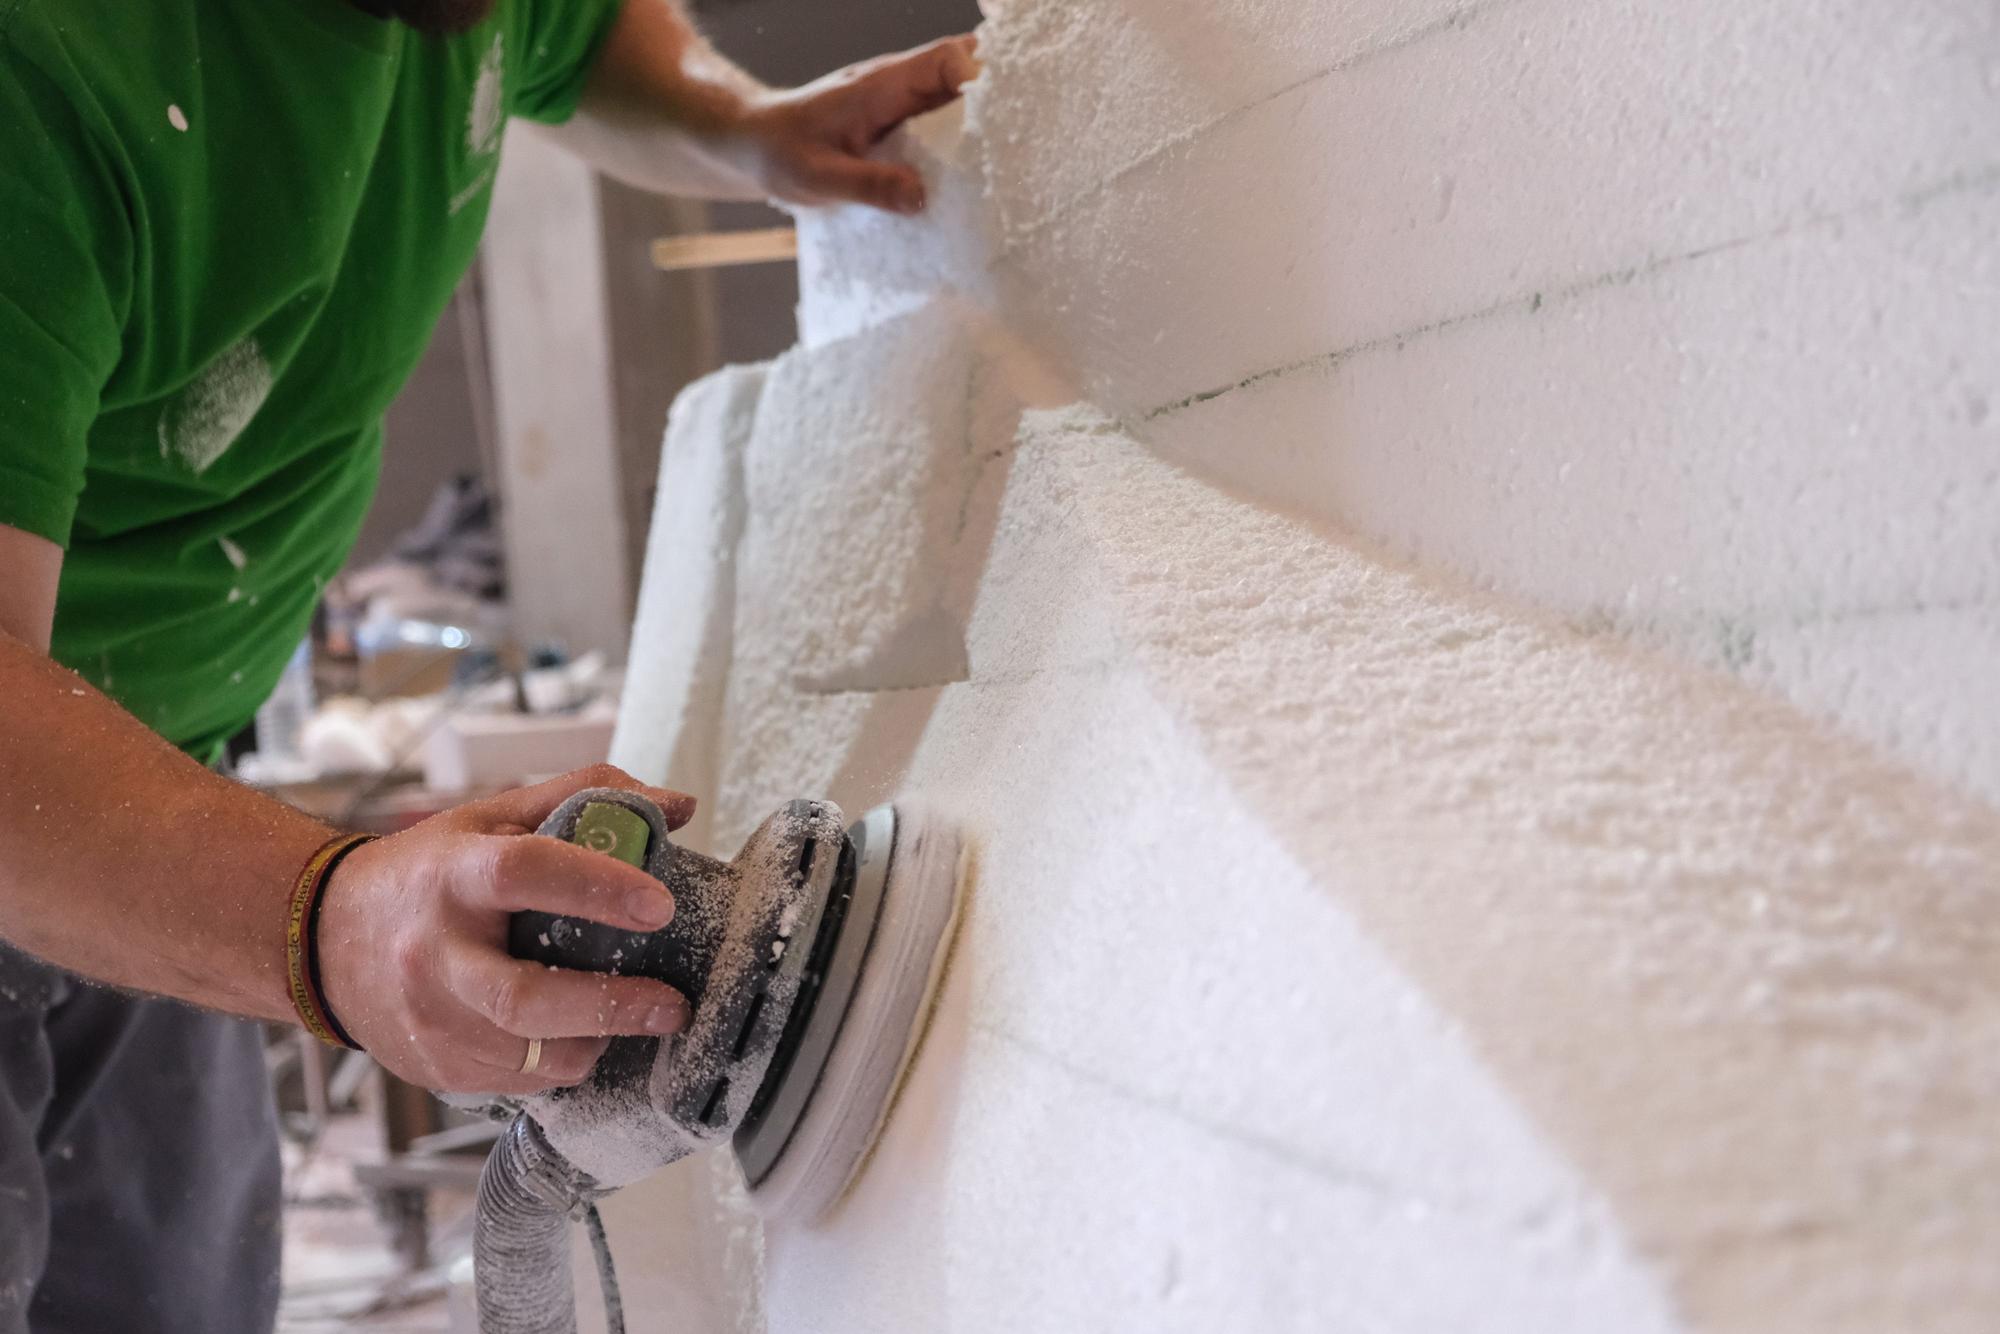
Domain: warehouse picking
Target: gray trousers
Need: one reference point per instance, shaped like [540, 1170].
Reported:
[139, 1179]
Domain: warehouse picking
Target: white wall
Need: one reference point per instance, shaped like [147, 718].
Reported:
[548, 321]
[1290, 502]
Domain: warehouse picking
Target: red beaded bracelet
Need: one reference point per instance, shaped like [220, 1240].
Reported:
[302, 941]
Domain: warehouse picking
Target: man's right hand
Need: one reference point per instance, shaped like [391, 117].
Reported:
[413, 944]
[123, 860]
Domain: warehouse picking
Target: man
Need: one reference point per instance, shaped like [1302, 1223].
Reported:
[226, 228]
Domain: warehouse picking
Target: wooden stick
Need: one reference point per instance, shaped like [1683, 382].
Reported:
[710, 250]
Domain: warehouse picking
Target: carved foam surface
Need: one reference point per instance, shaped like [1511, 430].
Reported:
[1474, 724]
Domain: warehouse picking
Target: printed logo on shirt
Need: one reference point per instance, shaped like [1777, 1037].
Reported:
[212, 412]
[484, 119]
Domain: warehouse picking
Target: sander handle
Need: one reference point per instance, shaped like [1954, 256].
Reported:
[631, 828]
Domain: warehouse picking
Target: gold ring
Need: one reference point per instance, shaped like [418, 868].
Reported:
[533, 1058]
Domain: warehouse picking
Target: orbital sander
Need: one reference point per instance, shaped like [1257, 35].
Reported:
[808, 964]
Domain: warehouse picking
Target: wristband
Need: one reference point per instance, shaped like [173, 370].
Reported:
[302, 941]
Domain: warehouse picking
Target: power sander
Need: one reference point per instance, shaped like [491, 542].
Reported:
[808, 963]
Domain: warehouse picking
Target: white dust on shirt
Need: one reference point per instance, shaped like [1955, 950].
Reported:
[217, 407]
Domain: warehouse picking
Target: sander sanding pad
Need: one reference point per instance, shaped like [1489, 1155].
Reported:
[910, 865]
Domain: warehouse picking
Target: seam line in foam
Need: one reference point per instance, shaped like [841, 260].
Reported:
[1952, 186]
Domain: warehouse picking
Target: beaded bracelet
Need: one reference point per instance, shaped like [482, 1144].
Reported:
[302, 941]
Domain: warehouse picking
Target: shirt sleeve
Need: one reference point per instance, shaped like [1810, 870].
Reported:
[60, 330]
[559, 40]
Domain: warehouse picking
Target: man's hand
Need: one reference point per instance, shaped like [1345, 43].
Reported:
[811, 143]
[413, 944]
[664, 111]
[178, 886]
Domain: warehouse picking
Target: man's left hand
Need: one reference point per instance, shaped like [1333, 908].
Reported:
[810, 145]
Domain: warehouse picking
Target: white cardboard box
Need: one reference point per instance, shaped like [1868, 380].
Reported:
[503, 750]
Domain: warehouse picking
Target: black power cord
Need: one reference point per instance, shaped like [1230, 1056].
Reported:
[607, 1274]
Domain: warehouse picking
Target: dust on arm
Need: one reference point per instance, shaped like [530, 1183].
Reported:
[120, 857]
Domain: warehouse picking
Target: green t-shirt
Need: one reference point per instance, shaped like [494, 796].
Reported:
[227, 228]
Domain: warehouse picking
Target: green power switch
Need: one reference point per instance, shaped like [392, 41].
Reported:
[614, 830]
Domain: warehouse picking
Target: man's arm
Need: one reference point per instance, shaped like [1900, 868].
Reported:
[125, 861]
[665, 112]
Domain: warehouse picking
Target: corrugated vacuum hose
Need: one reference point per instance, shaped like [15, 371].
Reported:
[528, 1194]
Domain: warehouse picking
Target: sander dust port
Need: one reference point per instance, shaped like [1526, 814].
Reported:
[808, 963]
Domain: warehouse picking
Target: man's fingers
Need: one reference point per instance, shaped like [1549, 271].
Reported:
[886, 185]
[830, 125]
[496, 1067]
[957, 64]
[560, 1063]
[526, 872]
[527, 807]
[533, 1001]
[923, 80]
